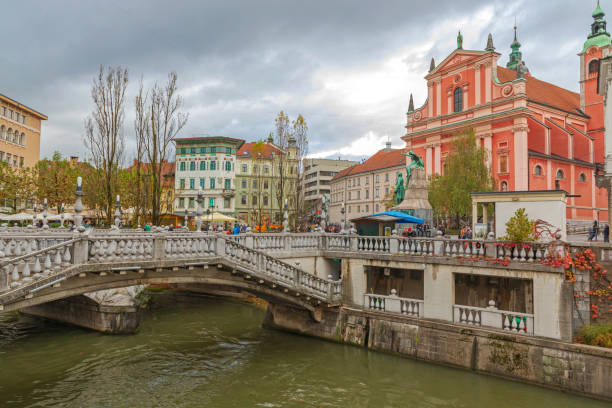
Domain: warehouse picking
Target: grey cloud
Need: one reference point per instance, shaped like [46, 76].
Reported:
[240, 62]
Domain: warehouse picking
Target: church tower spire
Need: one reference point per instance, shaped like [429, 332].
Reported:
[516, 56]
[599, 36]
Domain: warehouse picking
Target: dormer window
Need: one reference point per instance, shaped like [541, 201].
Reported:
[458, 99]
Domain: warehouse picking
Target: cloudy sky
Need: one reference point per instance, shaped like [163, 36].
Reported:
[348, 66]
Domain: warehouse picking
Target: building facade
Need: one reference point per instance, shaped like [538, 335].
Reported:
[315, 181]
[366, 188]
[20, 131]
[265, 176]
[207, 163]
[539, 136]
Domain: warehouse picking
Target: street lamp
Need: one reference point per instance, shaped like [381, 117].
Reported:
[343, 212]
[199, 200]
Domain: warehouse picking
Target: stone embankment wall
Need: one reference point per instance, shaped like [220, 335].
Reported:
[577, 368]
[85, 312]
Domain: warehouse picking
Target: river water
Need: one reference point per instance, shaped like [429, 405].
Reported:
[194, 351]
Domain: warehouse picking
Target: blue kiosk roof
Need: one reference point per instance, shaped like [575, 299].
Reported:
[391, 216]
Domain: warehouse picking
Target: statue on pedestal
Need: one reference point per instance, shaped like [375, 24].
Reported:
[400, 191]
[416, 162]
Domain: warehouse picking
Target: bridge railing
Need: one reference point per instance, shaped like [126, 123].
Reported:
[27, 259]
[37, 264]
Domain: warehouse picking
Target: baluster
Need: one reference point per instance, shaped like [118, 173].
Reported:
[25, 273]
[37, 268]
[506, 322]
[15, 276]
[58, 259]
[463, 317]
[47, 265]
[67, 257]
[522, 326]
[477, 317]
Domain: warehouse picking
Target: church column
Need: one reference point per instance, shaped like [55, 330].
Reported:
[477, 88]
[572, 189]
[438, 98]
[449, 100]
[521, 158]
[428, 160]
[488, 145]
[429, 100]
[466, 94]
[437, 159]
[487, 82]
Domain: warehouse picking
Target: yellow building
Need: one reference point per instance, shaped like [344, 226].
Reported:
[19, 133]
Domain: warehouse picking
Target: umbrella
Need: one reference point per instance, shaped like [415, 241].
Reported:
[17, 217]
[217, 216]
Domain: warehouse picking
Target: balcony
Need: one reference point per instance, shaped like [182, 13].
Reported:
[228, 192]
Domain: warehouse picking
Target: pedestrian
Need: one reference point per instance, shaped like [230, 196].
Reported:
[147, 227]
[591, 233]
[236, 229]
[606, 233]
[596, 229]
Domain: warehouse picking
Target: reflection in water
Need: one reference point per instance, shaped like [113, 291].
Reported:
[194, 352]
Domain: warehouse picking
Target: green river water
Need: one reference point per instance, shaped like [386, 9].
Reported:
[194, 351]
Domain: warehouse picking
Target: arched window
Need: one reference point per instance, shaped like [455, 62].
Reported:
[22, 139]
[202, 165]
[458, 95]
[560, 174]
[594, 66]
[192, 166]
[537, 170]
[504, 186]
[228, 166]
[582, 178]
[2, 132]
[9, 135]
[213, 165]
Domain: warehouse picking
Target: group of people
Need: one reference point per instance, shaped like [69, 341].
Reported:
[594, 232]
[465, 232]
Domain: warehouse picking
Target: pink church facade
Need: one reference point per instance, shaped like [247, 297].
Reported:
[539, 136]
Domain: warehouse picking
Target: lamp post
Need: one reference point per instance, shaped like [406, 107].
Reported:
[45, 225]
[343, 212]
[199, 200]
[117, 212]
[286, 217]
[78, 205]
[207, 220]
[62, 216]
[34, 216]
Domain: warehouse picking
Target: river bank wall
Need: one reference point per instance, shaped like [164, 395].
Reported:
[575, 368]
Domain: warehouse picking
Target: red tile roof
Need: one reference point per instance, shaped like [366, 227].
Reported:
[167, 171]
[246, 150]
[380, 160]
[544, 92]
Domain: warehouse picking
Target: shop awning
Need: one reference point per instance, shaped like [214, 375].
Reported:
[390, 216]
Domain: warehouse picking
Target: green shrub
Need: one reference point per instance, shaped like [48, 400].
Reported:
[596, 335]
[520, 228]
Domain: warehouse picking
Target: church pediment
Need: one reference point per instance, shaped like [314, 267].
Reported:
[455, 59]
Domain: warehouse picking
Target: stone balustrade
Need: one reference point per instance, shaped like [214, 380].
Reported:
[24, 260]
[394, 304]
[520, 323]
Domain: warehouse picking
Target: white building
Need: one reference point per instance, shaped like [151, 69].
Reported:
[207, 163]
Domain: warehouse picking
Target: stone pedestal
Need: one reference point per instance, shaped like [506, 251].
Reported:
[416, 199]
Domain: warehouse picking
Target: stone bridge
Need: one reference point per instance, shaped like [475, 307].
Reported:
[41, 267]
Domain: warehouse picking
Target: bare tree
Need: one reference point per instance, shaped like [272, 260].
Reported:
[165, 121]
[141, 130]
[104, 136]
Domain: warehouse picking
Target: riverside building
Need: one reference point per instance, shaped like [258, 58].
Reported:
[20, 130]
[207, 163]
[539, 136]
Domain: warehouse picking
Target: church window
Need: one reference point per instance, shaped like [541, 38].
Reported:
[594, 66]
[504, 186]
[582, 178]
[560, 174]
[537, 170]
[503, 164]
[458, 98]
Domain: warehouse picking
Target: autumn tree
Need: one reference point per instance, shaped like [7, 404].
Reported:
[55, 180]
[465, 171]
[16, 186]
[104, 137]
[158, 120]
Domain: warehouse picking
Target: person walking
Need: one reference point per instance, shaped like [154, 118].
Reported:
[606, 233]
